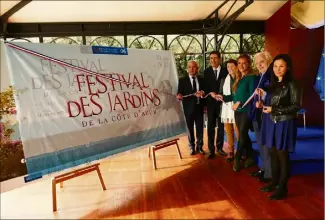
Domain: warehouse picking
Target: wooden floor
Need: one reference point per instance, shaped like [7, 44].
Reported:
[191, 188]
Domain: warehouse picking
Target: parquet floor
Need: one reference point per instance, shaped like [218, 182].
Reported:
[191, 188]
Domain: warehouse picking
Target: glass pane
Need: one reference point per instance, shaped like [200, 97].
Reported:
[114, 41]
[210, 42]
[230, 43]
[26, 39]
[196, 44]
[182, 60]
[176, 47]
[152, 42]
[227, 56]
[63, 40]
[207, 60]
[170, 39]
[259, 41]
[186, 44]
[253, 43]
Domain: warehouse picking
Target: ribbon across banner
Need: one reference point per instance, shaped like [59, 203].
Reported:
[76, 104]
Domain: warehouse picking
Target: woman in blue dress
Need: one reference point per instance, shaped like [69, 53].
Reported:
[279, 130]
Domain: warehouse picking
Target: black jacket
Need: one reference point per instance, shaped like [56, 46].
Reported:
[285, 101]
[212, 84]
[222, 83]
[185, 88]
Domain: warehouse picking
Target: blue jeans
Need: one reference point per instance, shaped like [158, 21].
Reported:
[264, 152]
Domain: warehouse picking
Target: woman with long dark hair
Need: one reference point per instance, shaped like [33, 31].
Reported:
[279, 130]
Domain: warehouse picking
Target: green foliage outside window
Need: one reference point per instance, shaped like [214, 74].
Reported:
[185, 47]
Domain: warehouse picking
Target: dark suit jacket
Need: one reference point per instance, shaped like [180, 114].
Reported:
[185, 88]
[253, 113]
[212, 84]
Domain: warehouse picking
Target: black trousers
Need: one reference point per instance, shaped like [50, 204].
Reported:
[213, 119]
[280, 165]
[195, 117]
[243, 124]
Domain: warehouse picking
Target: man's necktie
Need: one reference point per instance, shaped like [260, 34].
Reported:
[194, 84]
[216, 74]
[195, 88]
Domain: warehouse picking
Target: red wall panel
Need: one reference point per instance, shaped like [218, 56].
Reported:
[277, 31]
[305, 49]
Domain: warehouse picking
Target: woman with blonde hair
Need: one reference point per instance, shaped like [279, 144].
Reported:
[241, 91]
[262, 80]
[227, 114]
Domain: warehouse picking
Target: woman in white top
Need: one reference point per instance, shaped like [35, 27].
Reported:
[227, 114]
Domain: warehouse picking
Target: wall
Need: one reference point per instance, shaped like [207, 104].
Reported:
[306, 47]
[277, 31]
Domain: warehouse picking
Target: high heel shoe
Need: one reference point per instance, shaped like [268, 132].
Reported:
[268, 188]
[249, 162]
[279, 194]
[230, 157]
[236, 166]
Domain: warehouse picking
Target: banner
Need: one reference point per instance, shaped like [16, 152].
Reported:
[76, 104]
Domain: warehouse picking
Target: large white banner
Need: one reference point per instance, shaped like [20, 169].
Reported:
[66, 115]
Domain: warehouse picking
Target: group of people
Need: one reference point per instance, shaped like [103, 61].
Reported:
[238, 100]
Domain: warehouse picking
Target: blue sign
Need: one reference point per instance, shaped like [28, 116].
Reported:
[110, 50]
[319, 84]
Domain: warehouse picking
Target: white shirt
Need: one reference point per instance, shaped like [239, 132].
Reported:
[197, 85]
[196, 80]
[218, 71]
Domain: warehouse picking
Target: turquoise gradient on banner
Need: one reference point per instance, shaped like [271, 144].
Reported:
[52, 162]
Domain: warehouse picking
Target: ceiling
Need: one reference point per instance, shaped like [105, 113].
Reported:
[309, 13]
[6, 5]
[111, 11]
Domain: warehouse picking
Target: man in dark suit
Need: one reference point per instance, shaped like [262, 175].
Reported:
[262, 81]
[192, 105]
[213, 76]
